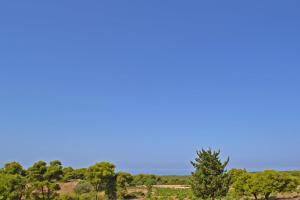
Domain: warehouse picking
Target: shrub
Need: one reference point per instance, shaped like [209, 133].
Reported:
[83, 187]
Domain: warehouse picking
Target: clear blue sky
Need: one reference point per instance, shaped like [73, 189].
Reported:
[144, 84]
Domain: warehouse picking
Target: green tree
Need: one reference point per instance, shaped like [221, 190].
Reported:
[272, 182]
[264, 184]
[80, 173]
[13, 183]
[12, 187]
[44, 180]
[83, 187]
[234, 174]
[152, 180]
[103, 178]
[209, 180]
[142, 179]
[14, 168]
[123, 180]
[246, 184]
[68, 174]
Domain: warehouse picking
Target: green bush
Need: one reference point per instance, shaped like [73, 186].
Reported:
[178, 194]
[83, 187]
[85, 196]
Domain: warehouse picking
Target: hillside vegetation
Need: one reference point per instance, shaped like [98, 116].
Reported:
[209, 180]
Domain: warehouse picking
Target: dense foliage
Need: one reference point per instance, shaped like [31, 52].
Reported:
[210, 180]
[43, 181]
[123, 181]
[262, 184]
[103, 178]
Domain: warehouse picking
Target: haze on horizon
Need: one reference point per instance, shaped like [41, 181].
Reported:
[144, 84]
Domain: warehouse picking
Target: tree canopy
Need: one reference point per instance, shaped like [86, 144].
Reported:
[263, 184]
[209, 180]
[103, 177]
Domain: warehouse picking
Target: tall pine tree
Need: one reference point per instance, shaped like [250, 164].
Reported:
[209, 180]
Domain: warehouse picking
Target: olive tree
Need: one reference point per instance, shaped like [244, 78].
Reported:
[246, 184]
[272, 182]
[234, 174]
[263, 184]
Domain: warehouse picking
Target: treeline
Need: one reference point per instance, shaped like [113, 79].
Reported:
[42, 181]
[141, 179]
[210, 180]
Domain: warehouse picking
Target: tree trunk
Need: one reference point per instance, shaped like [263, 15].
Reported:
[48, 193]
[20, 196]
[43, 193]
[255, 196]
[267, 196]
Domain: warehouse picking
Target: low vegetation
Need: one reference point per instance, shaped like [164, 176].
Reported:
[210, 180]
[174, 193]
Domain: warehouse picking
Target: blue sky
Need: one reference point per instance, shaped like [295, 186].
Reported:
[144, 84]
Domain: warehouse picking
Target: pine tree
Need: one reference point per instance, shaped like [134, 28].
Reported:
[210, 180]
[103, 178]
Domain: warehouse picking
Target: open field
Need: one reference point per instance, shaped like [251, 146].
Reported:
[166, 192]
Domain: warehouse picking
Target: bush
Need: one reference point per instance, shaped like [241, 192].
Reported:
[83, 187]
[85, 196]
[68, 197]
[179, 194]
[143, 179]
